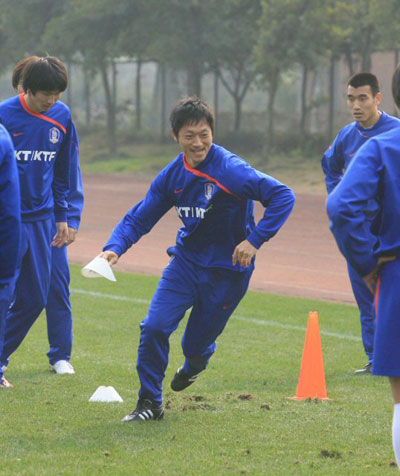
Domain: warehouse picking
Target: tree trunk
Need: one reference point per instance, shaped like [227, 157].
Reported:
[349, 60]
[112, 140]
[331, 110]
[69, 89]
[304, 84]
[114, 83]
[270, 139]
[216, 99]
[194, 79]
[366, 52]
[195, 64]
[271, 113]
[238, 113]
[163, 77]
[138, 95]
[87, 96]
[366, 62]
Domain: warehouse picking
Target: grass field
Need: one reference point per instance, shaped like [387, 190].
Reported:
[302, 174]
[236, 419]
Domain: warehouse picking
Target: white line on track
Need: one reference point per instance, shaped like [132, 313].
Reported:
[259, 322]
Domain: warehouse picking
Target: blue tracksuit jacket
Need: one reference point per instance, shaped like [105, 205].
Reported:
[374, 175]
[334, 163]
[75, 198]
[214, 202]
[10, 215]
[43, 157]
[342, 150]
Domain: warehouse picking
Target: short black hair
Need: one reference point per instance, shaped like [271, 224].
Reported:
[365, 79]
[45, 74]
[19, 68]
[396, 86]
[191, 110]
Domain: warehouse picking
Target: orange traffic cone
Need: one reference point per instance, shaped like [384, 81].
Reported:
[312, 376]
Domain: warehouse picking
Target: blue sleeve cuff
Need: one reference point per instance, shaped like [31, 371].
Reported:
[255, 239]
[117, 249]
[60, 216]
[73, 223]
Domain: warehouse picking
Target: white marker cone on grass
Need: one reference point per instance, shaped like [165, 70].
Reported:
[105, 394]
[98, 268]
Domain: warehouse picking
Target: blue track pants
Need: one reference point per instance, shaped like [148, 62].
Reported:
[5, 298]
[58, 308]
[32, 284]
[365, 302]
[387, 336]
[214, 294]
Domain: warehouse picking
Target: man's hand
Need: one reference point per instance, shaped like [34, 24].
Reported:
[71, 235]
[243, 254]
[110, 256]
[372, 278]
[61, 237]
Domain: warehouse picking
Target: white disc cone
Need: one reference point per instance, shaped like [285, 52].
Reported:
[98, 268]
[105, 394]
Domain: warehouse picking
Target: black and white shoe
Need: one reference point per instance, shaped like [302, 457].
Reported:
[182, 380]
[145, 410]
[365, 370]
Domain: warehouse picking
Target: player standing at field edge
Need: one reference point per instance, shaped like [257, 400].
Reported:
[212, 261]
[42, 132]
[10, 230]
[374, 176]
[58, 307]
[363, 99]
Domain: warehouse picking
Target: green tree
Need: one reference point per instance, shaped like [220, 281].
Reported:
[232, 56]
[136, 40]
[21, 28]
[310, 46]
[185, 38]
[90, 29]
[274, 52]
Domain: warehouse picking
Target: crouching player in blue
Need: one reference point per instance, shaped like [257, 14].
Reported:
[212, 261]
[374, 177]
[363, 99]
[58, 307]
[42, 132]
[10, 230]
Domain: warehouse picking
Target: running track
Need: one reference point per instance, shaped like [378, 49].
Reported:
[301, 260]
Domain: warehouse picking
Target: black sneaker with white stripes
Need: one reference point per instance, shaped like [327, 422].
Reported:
[182, 380]
[367, 370]
[145, 410]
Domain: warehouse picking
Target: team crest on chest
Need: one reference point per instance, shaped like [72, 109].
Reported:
[54, 135]
[208, 190]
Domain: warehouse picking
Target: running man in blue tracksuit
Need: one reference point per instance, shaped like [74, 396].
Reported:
[373, 177]
[363, 99]
[58, 307]
[10, 230]
[212, 261]
[43, 135]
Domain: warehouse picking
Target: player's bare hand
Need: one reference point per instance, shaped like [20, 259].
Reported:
[372, 278]
[61, 237]
[71, 235]
[110, 256]
[243, 254]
